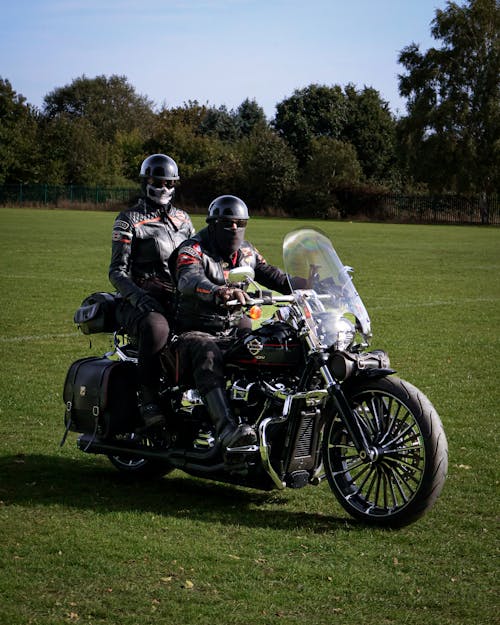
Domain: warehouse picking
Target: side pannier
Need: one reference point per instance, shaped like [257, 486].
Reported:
[100, 397]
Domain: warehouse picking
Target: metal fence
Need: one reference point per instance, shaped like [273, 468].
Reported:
[446, 209]
[61, 195]
[442, 209]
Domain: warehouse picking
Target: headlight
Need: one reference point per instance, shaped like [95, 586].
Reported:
[342, 333]
[334, 331]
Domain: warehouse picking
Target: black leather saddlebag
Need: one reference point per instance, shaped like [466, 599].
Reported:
[100, 397]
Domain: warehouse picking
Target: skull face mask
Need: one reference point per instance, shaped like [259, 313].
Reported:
[160, 192]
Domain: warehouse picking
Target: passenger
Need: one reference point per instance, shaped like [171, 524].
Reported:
[144, 236]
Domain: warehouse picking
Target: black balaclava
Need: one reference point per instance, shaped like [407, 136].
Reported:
[227, 239]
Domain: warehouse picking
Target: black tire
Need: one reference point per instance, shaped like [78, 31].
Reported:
[403, 482]
[140, 468]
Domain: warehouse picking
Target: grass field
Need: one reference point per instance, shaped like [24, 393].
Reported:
[80, 545]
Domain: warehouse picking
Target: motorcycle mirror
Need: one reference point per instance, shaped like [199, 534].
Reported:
[241, 274]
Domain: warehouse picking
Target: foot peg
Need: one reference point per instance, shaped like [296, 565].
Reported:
[245, 449]
[241, 436]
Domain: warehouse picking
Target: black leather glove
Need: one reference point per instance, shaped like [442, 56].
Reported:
[227, 293]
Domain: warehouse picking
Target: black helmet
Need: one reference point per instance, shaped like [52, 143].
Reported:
[159, 166]
[227, 206]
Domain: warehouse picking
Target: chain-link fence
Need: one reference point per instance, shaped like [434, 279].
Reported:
[445, 209]
[64, 195]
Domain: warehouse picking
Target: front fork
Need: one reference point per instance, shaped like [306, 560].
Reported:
[367, 452]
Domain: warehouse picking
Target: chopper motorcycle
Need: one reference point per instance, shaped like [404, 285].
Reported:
[323, 406]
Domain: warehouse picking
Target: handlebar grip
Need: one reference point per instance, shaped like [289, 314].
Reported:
[265, 301]
[251, 302]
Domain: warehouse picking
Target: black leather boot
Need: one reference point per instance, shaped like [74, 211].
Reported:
[151, 413]
[230, 434]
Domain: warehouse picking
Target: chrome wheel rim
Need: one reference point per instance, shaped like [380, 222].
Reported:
[129, 463]
[387, 482]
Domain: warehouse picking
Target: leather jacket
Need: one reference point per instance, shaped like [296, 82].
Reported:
[144, 237]
[200, 271]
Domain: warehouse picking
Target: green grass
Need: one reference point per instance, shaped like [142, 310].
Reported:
[80, 545]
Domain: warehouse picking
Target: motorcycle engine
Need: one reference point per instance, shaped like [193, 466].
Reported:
[251, 397]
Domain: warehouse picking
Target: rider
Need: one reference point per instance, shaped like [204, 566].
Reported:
[203, 315]
[144, 236]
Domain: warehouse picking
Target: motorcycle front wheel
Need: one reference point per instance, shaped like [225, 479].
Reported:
[407, 470]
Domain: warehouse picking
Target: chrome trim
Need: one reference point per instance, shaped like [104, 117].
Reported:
[123, 356]
[264, 452]
[318, 476]
[245, 449]
[311, 398]
[204, 440]
[192, 397]
[241, 393]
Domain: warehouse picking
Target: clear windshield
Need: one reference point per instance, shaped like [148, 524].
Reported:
[309, 254]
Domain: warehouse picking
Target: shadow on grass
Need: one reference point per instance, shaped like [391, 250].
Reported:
[53, 480]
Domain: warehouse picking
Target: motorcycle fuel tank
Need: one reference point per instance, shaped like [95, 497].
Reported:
[274, 345]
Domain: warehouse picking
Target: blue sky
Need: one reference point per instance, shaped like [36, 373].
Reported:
[215, 51]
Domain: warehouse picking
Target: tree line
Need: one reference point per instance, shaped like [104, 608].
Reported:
[326, 146]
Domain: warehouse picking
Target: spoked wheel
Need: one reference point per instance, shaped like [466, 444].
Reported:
[407, 469]
[140, 467]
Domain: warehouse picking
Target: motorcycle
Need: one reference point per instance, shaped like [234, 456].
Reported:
[323, 406]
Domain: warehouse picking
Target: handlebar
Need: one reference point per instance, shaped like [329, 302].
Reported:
[263, 301]
[269, 299]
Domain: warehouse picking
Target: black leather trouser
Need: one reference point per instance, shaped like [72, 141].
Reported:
[152, 331]
[200, 360]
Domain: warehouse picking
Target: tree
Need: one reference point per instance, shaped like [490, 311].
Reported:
[220, 123]
[360, 118]
[333, 163]
[316, 111]
[19, 153]
[371, 129]
[110, 105]
[332, 167]
[450, 137]
[95, 130]
[75, 154]
[176, 132]
[249, 117]
[269, 168]
[229, 126]
[130, 145]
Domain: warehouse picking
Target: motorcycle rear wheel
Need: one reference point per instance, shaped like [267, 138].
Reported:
[140, 468]
[404, 479]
